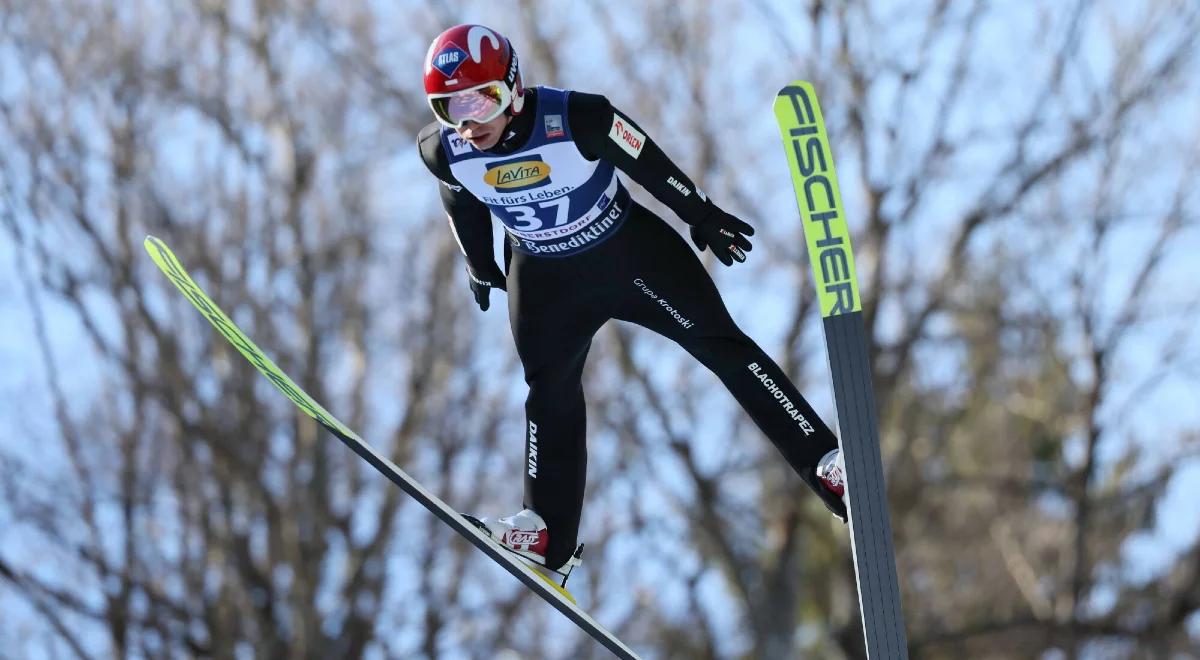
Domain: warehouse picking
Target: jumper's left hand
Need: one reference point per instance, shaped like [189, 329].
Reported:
[724, 234]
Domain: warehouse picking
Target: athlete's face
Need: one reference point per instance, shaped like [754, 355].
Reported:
[484, 135]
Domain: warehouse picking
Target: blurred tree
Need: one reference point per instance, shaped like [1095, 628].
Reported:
[185, 509]
[1021, 179]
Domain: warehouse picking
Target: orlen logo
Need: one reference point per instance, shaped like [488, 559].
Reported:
[514, 175]
[626, 136]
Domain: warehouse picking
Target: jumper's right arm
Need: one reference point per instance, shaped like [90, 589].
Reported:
[470, 220]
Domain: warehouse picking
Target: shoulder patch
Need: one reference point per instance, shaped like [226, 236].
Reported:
[626, 136]
[554, 126]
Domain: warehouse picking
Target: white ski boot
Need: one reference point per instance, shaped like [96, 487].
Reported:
[524, 534]
[831, 471]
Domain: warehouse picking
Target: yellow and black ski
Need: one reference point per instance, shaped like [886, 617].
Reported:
[823, 217]
[536, 581]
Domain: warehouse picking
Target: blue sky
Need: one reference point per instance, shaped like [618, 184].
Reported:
[753, 75]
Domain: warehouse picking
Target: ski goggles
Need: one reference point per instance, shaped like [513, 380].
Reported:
[481, 104]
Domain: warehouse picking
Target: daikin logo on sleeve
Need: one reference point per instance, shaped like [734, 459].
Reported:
[675, 183]
[626, 136]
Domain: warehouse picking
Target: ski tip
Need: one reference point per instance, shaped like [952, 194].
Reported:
[153, 244]
[796, 99]
[791, 88]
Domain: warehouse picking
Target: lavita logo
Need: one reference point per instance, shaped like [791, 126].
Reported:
[518, 174]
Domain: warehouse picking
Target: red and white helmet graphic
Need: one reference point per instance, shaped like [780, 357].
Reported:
[472, 73]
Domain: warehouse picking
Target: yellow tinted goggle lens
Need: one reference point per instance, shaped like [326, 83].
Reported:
[479, 105]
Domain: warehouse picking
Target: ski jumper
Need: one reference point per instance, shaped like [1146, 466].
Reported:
[579, 251]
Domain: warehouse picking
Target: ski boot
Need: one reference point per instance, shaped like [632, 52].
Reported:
[831, 473]
[525, 535]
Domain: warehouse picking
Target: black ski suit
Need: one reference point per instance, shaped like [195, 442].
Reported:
[635, 268]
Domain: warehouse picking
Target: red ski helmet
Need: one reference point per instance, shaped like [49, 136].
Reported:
[472, 73]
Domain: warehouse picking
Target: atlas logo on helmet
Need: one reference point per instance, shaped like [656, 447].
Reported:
[448, 59]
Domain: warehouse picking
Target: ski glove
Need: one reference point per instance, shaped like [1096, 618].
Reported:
[724, 234]
[482, 286]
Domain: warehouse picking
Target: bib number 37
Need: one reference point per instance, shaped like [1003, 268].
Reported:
[553, 213]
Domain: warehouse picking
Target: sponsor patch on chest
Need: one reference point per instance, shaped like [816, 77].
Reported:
[458, 146]
[554, 126]
[519, 174]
